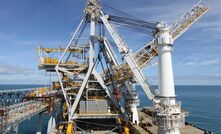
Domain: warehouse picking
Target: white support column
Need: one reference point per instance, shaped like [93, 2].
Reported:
[132, 101]
[14, 129]
[166, 82]
[92, 40]
[51, 124]
[93, 26]
[39, 127]
[135, 117]
[165, 68]
[168, 117]
[110, 52]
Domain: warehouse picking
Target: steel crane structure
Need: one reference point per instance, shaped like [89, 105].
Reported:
[92, 78]
[120, 77]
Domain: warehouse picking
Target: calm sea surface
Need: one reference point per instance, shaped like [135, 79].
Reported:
[203, 103]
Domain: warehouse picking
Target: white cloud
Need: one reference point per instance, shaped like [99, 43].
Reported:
[197, 80]
[202, 62]
[4, 36]
[16, 74]
[210, 22]
[210, 62]
[36, 43]
[190, 80]
[166, 11]
[6, 69]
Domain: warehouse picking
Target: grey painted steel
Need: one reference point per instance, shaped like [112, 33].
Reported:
[97, 106]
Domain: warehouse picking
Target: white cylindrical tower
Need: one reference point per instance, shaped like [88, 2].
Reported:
[166, 82]
[168, 116]
[165, 68]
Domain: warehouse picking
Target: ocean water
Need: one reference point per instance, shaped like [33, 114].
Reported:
[203, 103]
[6, 86]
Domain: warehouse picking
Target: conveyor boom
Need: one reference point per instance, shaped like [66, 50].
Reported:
[144, 55]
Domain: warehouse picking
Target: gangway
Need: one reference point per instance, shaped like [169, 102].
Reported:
[13, 115]
[35, 101]
[17, 91]
[12, 96]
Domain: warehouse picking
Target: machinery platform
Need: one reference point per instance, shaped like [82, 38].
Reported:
[146, 124]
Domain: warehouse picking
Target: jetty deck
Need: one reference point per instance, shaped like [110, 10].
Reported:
[147, 125]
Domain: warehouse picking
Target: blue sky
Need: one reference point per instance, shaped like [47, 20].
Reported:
[26, 24]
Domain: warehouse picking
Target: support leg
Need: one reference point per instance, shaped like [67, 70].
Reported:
[39, 127]
[51, 124]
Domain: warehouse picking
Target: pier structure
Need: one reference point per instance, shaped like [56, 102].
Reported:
[13, 96]
[34, 101]
[12, 115]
